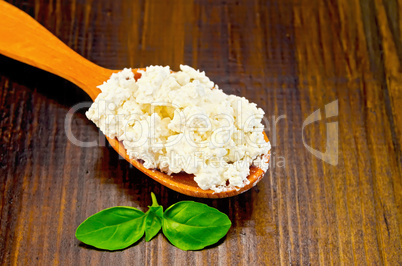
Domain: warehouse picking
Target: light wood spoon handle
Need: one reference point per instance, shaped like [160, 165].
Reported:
[25, 40]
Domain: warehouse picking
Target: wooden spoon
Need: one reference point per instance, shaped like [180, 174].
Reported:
[24, 39]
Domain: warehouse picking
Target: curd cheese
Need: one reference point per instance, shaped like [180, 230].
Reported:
[181, 121]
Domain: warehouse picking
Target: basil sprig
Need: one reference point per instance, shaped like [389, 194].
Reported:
[188, 225]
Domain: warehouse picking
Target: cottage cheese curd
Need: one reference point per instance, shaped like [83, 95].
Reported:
[181, 121]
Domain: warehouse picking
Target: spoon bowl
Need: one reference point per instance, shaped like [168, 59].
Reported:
[25, 40]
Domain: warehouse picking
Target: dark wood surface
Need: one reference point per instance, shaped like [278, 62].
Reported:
[290, 57]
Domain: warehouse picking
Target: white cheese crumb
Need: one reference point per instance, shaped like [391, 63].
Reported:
[182, 122]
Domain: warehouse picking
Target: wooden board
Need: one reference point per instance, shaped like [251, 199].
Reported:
[290, 57]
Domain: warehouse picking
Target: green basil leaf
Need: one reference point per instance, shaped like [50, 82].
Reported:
[191, 225]
[153, 222]
[112, 229]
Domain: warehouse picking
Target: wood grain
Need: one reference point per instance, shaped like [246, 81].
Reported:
[290, 57]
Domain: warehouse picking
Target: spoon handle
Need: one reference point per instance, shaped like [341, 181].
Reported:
[24, 39]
